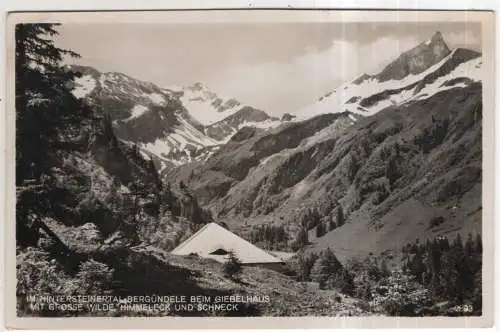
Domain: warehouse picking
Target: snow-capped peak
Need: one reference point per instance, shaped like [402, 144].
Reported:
[205, 106]
[398, 83]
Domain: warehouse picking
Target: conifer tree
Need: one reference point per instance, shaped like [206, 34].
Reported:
[301, 239]
[45, 110]
[325, 267]
[479, 244]
[340, 216]
[320, 229]
[44, 103]
[332, 224]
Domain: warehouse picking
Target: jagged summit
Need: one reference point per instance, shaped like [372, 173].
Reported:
[416, 60]
[437, 38]
[198, 86]
[418, 73]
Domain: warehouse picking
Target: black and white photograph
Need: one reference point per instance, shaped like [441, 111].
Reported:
[321, 168]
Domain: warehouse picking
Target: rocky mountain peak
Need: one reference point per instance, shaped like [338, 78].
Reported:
[417, 59]
[197, 87]
[437, 38]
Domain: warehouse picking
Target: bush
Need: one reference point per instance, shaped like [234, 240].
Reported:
[400, 295]
[366, 274]
[436, 221]
[232, 267]
[37, 274]
[94, 278]
[343, 281]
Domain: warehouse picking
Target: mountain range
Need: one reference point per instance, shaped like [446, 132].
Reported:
[379, 148]
[173, 125]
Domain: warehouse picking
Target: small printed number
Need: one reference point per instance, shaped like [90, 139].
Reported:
[463, 308]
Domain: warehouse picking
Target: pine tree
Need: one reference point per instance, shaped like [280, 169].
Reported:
[469, 246]
[45, 111]
[384, 269]
[151, 167]
[479, 244]
[320, 230]
[302, 239]
[232, 267]
[326, 266]
[340, 216]
[44, 103]
[332, 224]
[392, 171]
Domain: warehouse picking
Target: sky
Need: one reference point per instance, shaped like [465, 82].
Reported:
[276, 67]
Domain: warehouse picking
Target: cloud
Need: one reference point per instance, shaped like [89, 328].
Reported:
[468, 38]
[279, 87]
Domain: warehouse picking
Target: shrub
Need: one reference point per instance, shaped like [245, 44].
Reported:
[400, 295]
[37, 274]
[94, 277]
[343, 281]
[436, 221]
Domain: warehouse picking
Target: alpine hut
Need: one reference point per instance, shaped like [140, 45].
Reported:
[216, 242]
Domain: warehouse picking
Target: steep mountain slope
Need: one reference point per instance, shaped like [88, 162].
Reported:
[244, 163]
[415, 74]
[245, 117]
[100, 181]
[422, 179]
[174, 126]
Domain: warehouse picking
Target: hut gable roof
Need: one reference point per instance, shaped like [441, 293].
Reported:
[213, 241]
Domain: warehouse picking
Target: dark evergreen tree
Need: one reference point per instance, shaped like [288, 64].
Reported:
[305, 264]
[232, 267]
[47, 114]
[151, 167]
[302, 239]
[479, 244]
[44, 103]
[392, 170]
[320, 230]
[325, 267]
[332, 224]
[340, 216]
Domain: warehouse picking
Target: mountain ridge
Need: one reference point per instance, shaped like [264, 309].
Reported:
[369, 94]
[171, 126]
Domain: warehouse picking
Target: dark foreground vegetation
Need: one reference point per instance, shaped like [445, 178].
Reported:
[436, 278]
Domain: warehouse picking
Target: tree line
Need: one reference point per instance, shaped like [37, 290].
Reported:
[436, 277]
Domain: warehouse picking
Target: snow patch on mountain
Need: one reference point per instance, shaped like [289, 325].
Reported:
[268, 124]
[195, 135]
[83, 86]
[159, 147]
[469, 72]
[200, 104]
[137, 111]
[348, 96]
[157, 98]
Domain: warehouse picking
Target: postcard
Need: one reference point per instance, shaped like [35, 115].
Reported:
[250, 168]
